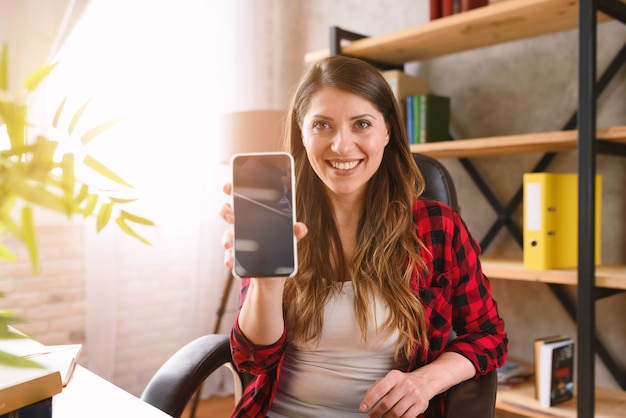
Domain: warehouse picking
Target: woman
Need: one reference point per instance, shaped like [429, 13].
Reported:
[366, 326]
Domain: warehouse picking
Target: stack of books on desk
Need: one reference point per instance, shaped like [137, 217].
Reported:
[26, 392]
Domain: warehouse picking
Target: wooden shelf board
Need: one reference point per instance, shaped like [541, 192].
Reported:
[613, 277]
[496, 23]
[557, 141]
[609, 403]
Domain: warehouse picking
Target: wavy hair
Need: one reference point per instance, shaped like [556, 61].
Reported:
[387, 254]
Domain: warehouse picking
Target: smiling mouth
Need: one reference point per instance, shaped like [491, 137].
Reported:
[349, 165]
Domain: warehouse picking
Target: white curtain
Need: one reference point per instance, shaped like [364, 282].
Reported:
[34, 31]
[169, 69]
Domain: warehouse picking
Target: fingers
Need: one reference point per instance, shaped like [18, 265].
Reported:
[300, 230]
[396, 395]
[227, 213]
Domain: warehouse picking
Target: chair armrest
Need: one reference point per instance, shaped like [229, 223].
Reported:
[173, 385]
[473, 398]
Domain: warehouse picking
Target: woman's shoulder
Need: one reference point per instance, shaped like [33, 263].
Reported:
[432, 208]
[431, 216]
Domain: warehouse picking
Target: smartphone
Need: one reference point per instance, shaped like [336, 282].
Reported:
[264, 207]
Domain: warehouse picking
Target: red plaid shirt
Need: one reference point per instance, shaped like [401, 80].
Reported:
[456, 296]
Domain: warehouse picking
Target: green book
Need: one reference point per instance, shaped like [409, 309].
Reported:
[416, 119]
[434, 118]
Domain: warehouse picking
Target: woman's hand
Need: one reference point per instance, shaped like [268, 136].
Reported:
[407, 395]
[227, 214]
[397, 394]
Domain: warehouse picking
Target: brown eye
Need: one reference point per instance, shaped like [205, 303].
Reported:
[362, 124]
[320, 125]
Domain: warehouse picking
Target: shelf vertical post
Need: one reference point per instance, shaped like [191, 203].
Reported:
[586, 207]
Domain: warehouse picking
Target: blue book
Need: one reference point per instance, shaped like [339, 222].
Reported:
[410, 129]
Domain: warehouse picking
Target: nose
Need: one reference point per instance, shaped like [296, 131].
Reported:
[342, 141]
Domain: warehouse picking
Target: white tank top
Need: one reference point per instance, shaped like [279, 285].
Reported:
[330, 379]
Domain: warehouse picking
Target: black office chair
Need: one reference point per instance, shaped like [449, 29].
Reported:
[174, 384]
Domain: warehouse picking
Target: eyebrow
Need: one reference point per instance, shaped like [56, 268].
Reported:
[363, 115]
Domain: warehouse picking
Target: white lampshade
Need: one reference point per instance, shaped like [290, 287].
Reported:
[251, 131]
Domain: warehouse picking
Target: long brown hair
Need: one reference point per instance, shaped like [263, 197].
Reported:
[387, 252]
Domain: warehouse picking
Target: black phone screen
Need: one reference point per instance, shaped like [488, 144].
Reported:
[263, 203]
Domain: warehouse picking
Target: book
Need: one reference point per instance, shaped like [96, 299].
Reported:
[403, 84]
[62, 357]
[551, 220]
[41, 409]
[434, 9]
[512, 373]
[537, 344]
[417, 119]
[434, 118]
[472, 4]
[20, 386]
[450, 7]
[409, 118]
[556, 372]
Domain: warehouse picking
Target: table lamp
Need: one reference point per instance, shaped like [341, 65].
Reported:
[251, 131]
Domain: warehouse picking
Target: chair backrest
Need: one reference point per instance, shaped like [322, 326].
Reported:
[474, 397]
[439, 183]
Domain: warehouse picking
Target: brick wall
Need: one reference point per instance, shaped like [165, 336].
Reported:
[157, 307]
[53, 301]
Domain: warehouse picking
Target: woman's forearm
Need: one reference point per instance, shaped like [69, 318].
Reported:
[446, 371]
[261, 317]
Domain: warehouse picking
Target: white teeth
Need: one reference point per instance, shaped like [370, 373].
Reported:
[344, 166]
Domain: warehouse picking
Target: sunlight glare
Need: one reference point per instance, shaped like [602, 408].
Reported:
[152, 64]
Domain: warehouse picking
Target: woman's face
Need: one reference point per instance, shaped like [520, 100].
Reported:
[344, 136]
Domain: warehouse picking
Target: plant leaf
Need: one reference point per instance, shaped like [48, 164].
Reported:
[57, 114]
[29, 238]
[14, 116]
[76, 117]
[103, 216]
[124, 226]
[6, 318]
[136, 219]
[92, 200]
[6, 254]
[82, 194]
[92, 133]
[121, 200]
[4, 64]
[38, 196]
[6, 220]
[9, 359]
[37, 76]
[68, 182]
[103, 170]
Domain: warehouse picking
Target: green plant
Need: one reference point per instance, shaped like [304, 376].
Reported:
[35, 173]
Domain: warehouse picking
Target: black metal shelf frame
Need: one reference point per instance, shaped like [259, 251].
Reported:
[584, 313]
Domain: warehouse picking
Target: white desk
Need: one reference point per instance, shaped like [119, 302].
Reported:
[89, 395]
